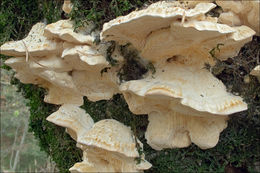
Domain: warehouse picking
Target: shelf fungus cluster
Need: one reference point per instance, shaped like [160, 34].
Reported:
[108, 145]
[185, 103]
[66, 63]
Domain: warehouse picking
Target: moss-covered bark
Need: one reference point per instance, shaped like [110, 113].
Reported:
[238, 145]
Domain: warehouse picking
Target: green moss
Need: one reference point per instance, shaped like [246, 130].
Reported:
[238, 145]
[132, 68]
[53, 139]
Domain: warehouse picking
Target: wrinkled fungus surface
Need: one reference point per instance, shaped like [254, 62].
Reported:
[159, 58]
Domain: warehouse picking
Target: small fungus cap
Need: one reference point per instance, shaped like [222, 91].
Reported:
[256, 71]
[73, 118]
[67, 6]
[23, 72]
[35, 44]
[59, 84]
[91, 55]
[63, 29]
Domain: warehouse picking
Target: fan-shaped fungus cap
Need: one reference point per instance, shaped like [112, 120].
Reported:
[96, 86]
[95, 160]
[136, 26]
[74, 118]
[85, 57]
[110, 145]
[88, 77]
[187, 91]
[192, 4]
[63, 29]
[59, 84]
[256, 72]
[181, 83]
[35, 43]
[241, 12]
[111, 135]
[58, 95]
[67, 6]
[91, 165]
[201, 36]
[62, 89]
[23, 72]
[185, 86]
[51, 62]
[169, 129]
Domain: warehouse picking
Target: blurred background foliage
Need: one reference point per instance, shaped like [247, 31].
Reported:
[238, 148]
[19, 149]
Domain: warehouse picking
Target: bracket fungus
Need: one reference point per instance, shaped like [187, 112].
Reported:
[60, 60]
[113, 142]
[59, 84]
[184, 101]
[73, 118]
[136, 26]
[241, 12]
[63, 29]
[179, 42]
[256, 72]
[67, 6]
[35, 43]
[179, 130]
[108, 145]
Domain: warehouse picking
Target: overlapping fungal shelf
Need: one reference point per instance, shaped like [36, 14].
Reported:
[184, 102]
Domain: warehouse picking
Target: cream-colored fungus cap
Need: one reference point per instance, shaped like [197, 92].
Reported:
[67, 6]
[59, 84]
[182, 93]
[185, 86]
[111, 135]
[110, 146]
[50, 62]
[256, 72]
[241, 12]
[138, 25]
[92, 163]
[196, 38]
[85, 57]
[23, 72]
[35, 43]
[99, 160]
[63, 29]
[75, 119]
[96, 85]
[169, 129]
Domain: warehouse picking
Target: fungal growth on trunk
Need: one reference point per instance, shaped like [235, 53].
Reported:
[108, 145]
[256, 72]
[67, 6]
[238, 13]
[60, 60]
[183, 100]
[173, 44]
